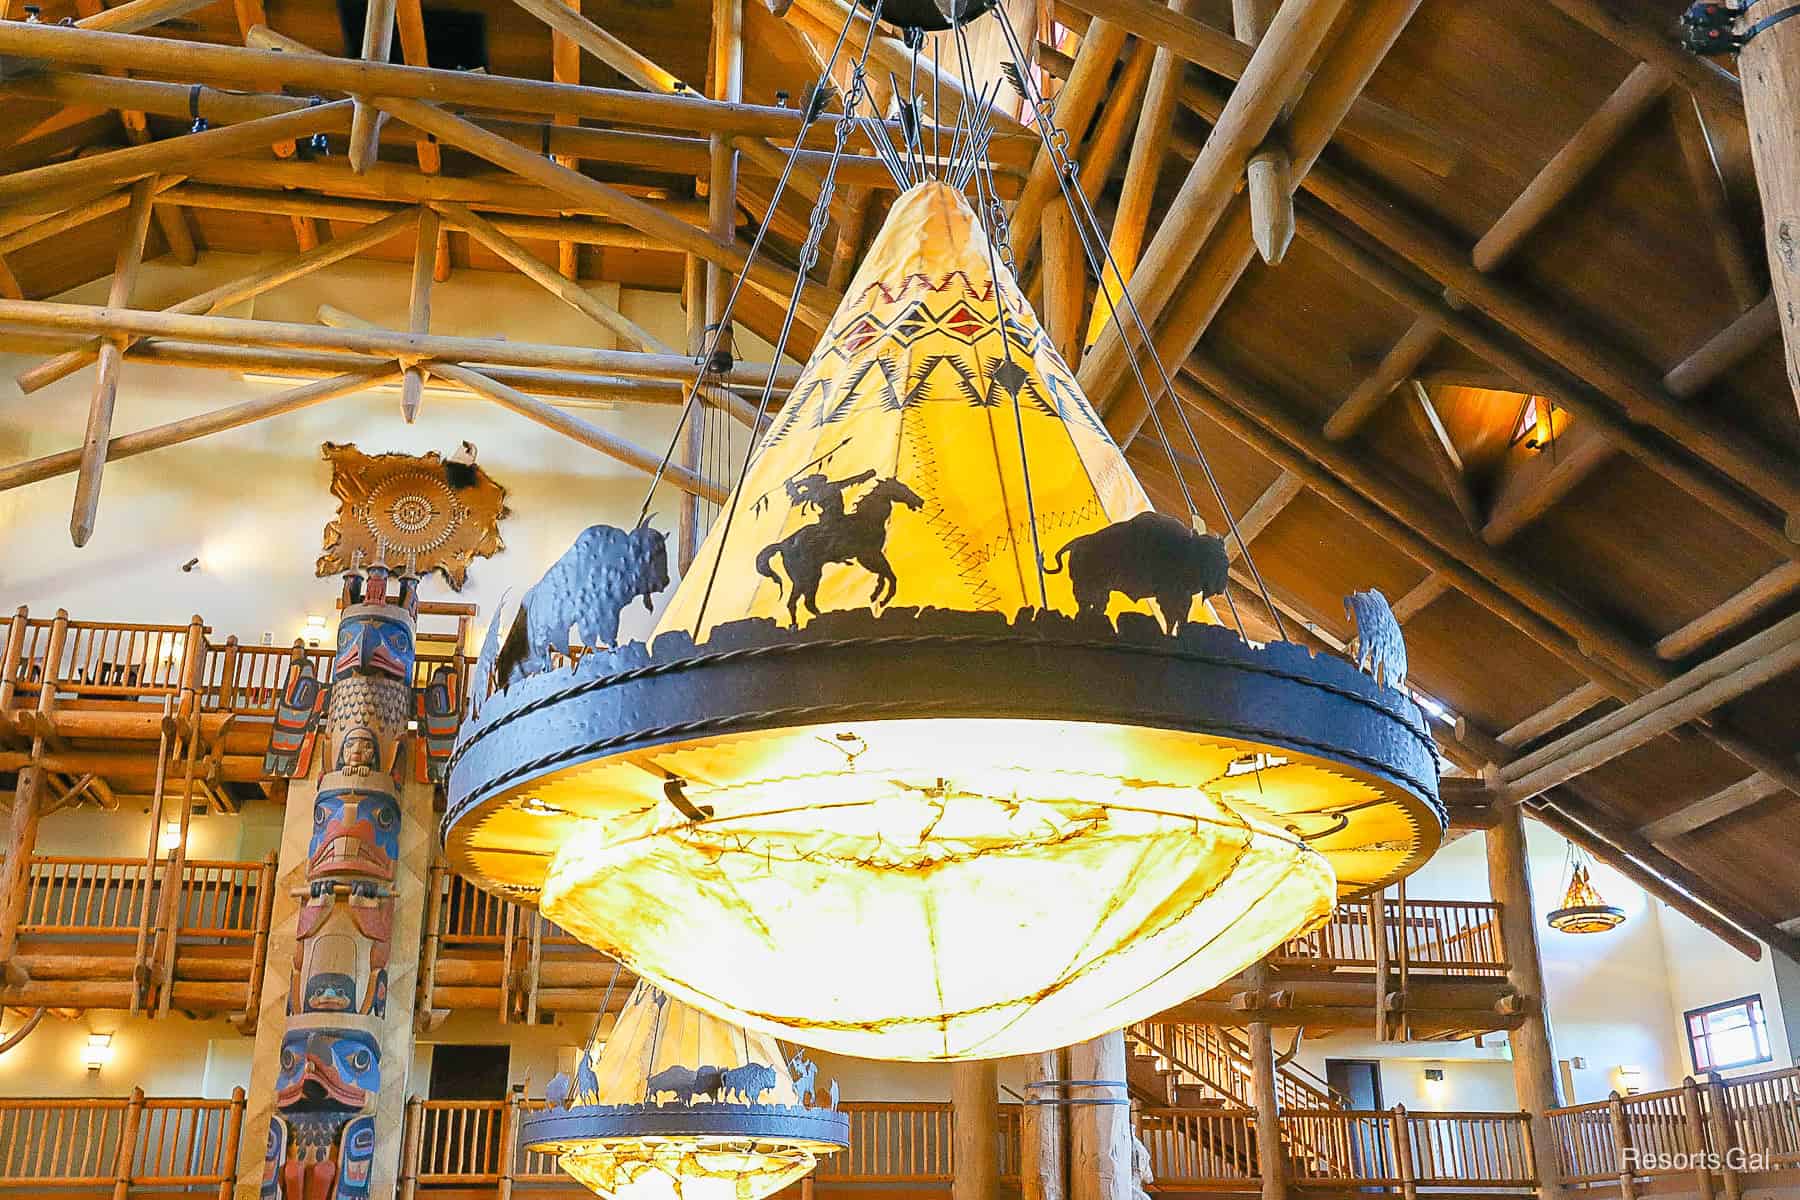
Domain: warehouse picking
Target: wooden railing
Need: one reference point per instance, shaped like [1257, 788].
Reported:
[97, 898]
[122, 660]
[895, 1143]
[105, 659]
[1716, 1128]
[1199, 1148]
[126, 1145]
[1401, 1150]
[1213, 1057]
[1446, 937]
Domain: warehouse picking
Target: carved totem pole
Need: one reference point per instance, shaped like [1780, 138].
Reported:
[322, 1135]
[335, 1021]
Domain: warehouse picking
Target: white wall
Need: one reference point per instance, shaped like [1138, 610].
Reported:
[1616, 999]
[252, 503]
[173, 1056]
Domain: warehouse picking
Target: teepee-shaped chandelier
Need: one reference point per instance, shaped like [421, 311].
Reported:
[1583, 908]
[938, 751]
[678, 1105]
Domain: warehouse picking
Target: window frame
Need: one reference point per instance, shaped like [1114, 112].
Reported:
[1756, 1014]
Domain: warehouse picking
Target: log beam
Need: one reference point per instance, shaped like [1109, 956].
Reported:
[381, 343]
[573, 427]
[234, 416]
[308, 74]
[377, 43]
[106, 376]
[418, 314]
[1313, 119]
[1769, 65]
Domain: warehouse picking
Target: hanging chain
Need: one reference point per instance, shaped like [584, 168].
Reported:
[1100, 257]
[809, 255]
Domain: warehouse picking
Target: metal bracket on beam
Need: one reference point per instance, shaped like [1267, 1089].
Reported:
[1710, 26]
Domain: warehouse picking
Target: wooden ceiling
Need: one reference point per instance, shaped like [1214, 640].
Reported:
[1519, 205]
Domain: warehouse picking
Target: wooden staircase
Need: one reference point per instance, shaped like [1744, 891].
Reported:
[1208, 1066]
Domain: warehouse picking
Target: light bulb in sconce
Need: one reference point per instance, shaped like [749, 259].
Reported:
[170, 837]
[97, 1051]
[314, 632]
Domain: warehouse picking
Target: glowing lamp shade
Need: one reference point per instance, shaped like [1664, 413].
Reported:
[678, 1105]
[1583, 909]
[881, 787]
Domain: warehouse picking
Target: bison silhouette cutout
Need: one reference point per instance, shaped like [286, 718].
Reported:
[586, 589]
[1151, 556]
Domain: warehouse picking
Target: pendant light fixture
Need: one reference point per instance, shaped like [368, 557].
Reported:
[678, 1105]
[938, 751]
[1583, 909]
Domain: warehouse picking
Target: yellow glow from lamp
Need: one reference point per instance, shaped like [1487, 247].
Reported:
[967, 866]
[97, 1051]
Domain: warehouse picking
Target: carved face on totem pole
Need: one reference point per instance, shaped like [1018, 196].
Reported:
[373, 643]
[342, 955]
[326, 1069]
[356, 833]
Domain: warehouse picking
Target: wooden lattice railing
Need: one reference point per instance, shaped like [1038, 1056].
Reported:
[129, 1145]
[1442, 937]
[1716, 1127]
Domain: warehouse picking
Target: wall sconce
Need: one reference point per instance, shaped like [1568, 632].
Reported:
[170, 837]
[1631, 1080]
[1435, 1084]
[314, 633]
[97, 1051]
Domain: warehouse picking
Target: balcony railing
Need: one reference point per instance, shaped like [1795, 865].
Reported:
[129, 1146]
[1722, 1128]
[1750, 1127]
[1440, 937]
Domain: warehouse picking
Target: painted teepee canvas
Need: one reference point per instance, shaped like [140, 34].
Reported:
[915, 416]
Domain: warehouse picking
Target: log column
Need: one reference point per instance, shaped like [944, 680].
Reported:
[1099, 1133]
[1533, 1050]
[1270, 1156]
[975, 1130]
[28, 800]
[1770, 68]
[1044, 1131]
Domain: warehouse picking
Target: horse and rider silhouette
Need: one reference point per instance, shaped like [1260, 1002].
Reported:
[856, 534]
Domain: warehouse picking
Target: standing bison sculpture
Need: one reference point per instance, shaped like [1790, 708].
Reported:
[586, 589]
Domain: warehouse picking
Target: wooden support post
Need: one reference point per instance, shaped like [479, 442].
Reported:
[1100, 1133]
[28, 801]
[365, 125]
[1044, 1131]
[259, 947]
[565, 67]
[228, 1145]
[1065, 282]
[1769, 66]
[1718, 1117]
[975, 1130]
[1269, 177]
[1621, 1132]
[106, 377]
[1534, 1051]
[1378, 942]
[509, 1139]
[1405, 1169]
[125, 1157]
[12, 661]
[412, 383]
[411, 1146]
[1270, 1155]
[1693, 1115]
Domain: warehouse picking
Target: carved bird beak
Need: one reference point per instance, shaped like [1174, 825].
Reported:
[648, 607]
